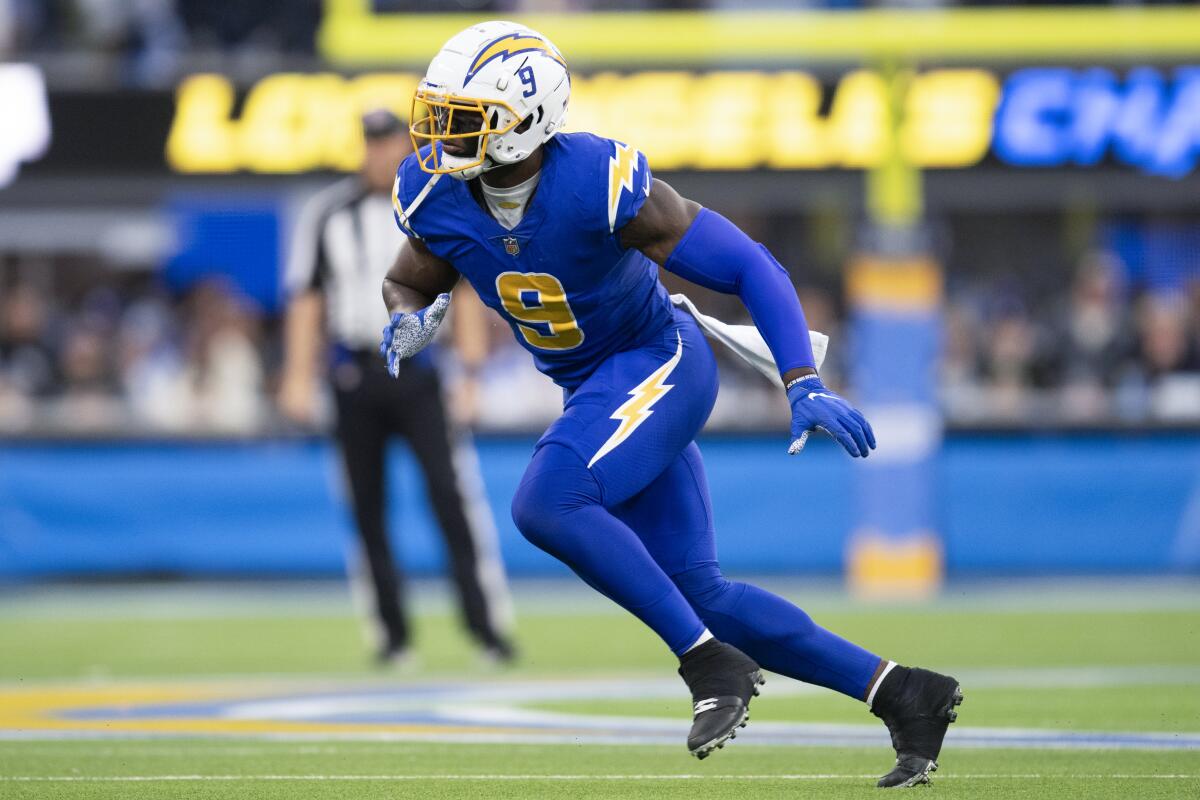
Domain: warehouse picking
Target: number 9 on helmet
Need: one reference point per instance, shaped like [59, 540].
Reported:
[491, 96]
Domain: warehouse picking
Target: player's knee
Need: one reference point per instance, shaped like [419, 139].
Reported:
[530, 507]
[705, 587]
[540, 517]
[550, 492]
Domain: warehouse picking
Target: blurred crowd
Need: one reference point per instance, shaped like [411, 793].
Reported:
[150, 36]
[122, 354]
[1100, 351]
[147, 39]
[129, 358]
[126, 26]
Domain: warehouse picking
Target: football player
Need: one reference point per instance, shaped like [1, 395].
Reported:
[562, 235]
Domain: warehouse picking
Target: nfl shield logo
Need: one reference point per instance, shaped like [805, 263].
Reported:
[511, 246]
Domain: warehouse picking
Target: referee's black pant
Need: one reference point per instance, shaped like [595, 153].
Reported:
[371, 408]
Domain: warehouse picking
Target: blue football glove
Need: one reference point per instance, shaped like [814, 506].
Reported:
[407, 334]
[814, 407]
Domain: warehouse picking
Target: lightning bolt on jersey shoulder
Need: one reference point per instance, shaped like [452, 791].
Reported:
[628, 184]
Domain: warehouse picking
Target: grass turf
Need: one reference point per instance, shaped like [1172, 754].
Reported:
[99, 646]
[204, 769]
[56, 647]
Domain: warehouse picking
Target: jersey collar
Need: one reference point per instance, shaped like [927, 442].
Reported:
[535, 214]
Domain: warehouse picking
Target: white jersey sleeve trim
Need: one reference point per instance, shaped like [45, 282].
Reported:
[404, 215]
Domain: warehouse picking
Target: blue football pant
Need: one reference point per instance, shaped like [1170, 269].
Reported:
[634, 519]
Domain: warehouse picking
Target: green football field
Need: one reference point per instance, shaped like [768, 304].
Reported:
[1091, 691]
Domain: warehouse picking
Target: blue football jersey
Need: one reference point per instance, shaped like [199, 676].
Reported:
[561, 279]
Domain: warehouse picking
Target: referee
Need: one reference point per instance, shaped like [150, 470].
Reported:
[344, 243]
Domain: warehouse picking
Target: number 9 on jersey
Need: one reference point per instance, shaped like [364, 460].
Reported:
[538, 303]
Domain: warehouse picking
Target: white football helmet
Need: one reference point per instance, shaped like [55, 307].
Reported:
[491, 96]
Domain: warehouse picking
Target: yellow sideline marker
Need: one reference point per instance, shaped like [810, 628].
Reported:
[881, 567]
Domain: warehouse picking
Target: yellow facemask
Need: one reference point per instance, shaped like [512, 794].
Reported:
[434, 121]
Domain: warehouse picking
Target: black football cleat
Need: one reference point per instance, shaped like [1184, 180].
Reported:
[917, 706]
[722, 680]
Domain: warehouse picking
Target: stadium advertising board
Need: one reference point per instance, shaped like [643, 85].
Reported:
[1056, 116]
[953, 118]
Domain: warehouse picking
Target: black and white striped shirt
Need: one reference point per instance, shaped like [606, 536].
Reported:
[344, 242]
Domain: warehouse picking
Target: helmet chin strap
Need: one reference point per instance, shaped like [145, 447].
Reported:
[487, 165]
[405, 214]
[471, 173]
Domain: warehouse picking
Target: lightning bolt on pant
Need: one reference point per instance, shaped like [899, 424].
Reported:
[635, 522]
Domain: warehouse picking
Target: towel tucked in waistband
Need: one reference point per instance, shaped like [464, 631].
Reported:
[746, 341]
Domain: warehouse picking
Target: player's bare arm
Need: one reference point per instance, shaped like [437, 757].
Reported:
[660, 223]
[416, 279]
[417, 294]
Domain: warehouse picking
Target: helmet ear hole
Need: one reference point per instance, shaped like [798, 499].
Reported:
[540, 113]
[524, 126]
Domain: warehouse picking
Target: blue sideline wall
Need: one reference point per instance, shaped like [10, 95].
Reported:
[1006, 503]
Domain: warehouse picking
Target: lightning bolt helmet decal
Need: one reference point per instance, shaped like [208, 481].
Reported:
[506, 47]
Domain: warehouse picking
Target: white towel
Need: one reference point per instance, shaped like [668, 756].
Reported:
[746, 341]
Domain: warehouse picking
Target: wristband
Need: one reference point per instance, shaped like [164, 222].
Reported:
[801, 379]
